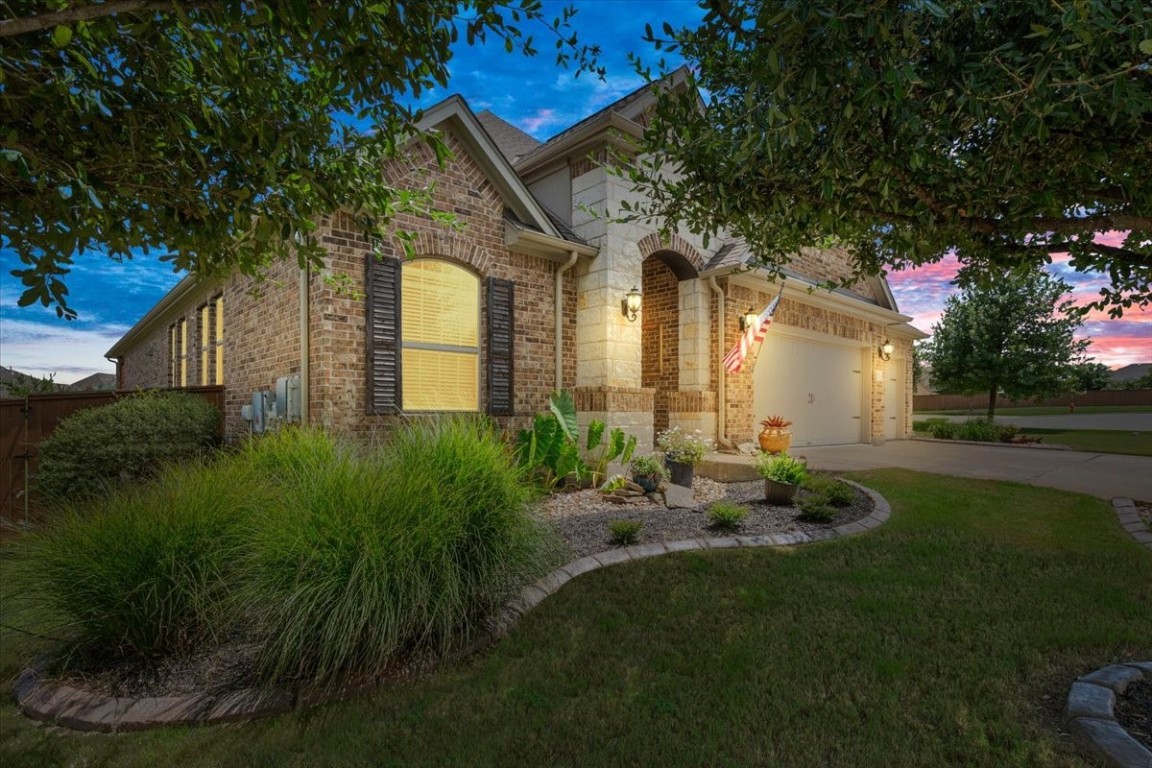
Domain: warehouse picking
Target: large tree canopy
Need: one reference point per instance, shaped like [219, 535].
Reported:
[217, 130]
[1016, 336]
[1008, 130]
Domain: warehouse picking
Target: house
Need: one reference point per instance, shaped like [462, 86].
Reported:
[530, 295]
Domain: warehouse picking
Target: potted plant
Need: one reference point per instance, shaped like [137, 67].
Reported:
[775, 437]
[648, 471]
[682, 452]
[782, 476]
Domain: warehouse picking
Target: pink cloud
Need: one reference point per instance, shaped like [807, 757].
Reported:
[541, 118]
[922, 291]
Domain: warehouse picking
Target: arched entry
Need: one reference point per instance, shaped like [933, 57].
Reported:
[662, 273]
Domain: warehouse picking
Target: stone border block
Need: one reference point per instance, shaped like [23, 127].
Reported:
[1131, 523]
[684, 545]
[1115, 677]
[647, 550]
[612, 557]
[1090, 715]
[1088, 700]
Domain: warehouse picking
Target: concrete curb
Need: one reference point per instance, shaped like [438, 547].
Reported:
[1089, 715]
[63, 705]
[1131, 522]
[997, 444]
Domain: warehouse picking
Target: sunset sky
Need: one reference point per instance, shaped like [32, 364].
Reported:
[542, 100]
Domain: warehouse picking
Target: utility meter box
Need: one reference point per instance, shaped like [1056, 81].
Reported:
[259, 411]
[288, 398]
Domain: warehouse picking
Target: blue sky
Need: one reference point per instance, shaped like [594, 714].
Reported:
[534, 94]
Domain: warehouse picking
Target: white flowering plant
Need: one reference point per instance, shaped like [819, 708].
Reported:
[683, 447]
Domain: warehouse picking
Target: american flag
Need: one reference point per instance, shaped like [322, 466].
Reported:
[752, 335]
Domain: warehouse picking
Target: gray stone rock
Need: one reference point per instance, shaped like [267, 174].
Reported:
[583, 565]
[849, 529]
[1088, 700]
[164, 710]
[677, 497]
[26, 685]
[755, 541]
[686, 545]
[727, 542]
[647, 550]
[1115, 677]
[612, 557]
[1109, 742]
[1144, 665]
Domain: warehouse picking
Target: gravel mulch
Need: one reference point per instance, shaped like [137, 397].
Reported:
[1134, 711]
[582, 517]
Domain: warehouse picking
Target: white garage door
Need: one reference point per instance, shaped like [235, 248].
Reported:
[894, 399]
[818, 386]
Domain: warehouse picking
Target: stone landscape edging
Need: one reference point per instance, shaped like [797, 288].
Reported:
[1090, 717]
[1130, 521]
[70, 707]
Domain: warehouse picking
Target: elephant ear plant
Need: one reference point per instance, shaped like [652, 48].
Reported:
[551, 449]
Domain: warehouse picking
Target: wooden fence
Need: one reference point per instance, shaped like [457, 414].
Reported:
[25, 422]
[1113, 397]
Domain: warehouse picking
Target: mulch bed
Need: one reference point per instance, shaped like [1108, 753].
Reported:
[1133, 711]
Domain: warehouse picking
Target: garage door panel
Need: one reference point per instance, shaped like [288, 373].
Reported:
[817, 385]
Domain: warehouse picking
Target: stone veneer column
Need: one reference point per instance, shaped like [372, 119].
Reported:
[608, 352]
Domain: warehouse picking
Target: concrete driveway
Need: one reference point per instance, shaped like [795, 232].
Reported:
[1098, 474]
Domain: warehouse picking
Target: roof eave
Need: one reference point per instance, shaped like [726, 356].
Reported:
[531, 243]
[625, 135]
[173, 301]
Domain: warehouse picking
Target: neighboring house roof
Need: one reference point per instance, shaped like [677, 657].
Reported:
[512, 142]
[1131, 372]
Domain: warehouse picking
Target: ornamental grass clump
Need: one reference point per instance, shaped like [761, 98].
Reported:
[726, 515]
[148, 571]
[406, 549]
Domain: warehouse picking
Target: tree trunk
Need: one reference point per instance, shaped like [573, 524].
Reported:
[991, 402]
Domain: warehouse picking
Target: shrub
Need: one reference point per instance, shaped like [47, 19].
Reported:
[726, 515]
[409, 548]
[980, 430]
[816, 508]
[623, 533]
[943, 429]
[149, 570]
[1007, 432]
[834, 492]
[780, 467]
[126, 441]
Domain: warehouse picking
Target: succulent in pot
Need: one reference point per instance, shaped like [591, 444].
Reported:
[648, 470]
[775, 436]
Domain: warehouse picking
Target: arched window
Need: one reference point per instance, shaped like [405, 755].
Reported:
[440, 337]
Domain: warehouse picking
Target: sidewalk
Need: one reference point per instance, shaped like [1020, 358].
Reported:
[1097, 474]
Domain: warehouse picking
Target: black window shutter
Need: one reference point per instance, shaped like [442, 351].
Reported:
[501, 340]
[383, 334]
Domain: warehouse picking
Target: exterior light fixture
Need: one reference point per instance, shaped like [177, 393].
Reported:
[886, 350]
[748, 319]
[631, 304]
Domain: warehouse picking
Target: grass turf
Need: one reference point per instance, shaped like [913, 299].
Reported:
[1097, 440]
[947, 637]
[1035, 410]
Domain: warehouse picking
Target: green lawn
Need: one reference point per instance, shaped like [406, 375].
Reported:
[1040, 411]
[947, 637]
[1097, 440]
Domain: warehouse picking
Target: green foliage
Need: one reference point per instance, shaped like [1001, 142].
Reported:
[126, 441]
[1090, 377]
[979, 430]
[780, 467]
[407, 548]
[683, 447]
[150, 570]
[1015, 336]
[726, 515]
[551, 449]
[816, 508]
[242, 105]
[649, 465]
[1002, 132]
[23, 385]
[624, 533]
[942, 429]
[835, 493]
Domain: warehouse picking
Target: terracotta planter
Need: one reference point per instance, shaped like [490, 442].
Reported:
[779, 494]
[681, 474]
[775, 439]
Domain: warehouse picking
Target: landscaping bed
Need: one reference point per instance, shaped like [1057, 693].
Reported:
[582, 518]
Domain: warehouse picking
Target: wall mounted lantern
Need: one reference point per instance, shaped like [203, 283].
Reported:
[631, 304]
[886, 350]
[748, 319]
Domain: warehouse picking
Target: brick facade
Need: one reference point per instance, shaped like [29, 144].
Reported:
[660, 351]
